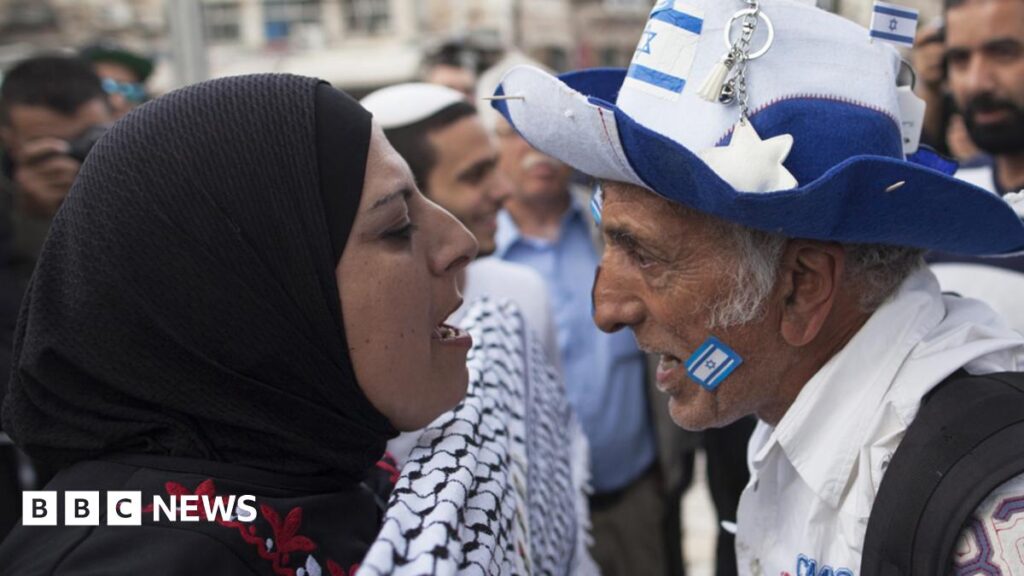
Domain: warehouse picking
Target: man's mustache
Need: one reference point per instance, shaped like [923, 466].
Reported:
[535, 158]
[989, 103]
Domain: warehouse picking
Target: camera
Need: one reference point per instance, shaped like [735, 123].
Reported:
[80, 147]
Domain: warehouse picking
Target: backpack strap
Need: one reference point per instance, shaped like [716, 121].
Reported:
[967, 440]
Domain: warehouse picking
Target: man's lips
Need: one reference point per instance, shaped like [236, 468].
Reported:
[671, 373]
[990, 116]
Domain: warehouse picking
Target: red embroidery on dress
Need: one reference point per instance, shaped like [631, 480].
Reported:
[279, 547]
[389, 465]
[334, 570]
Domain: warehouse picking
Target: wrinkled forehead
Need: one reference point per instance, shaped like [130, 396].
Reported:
[645, 214]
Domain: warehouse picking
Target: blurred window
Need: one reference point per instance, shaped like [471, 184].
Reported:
[222, 20]
[369, 17]
[279, 16]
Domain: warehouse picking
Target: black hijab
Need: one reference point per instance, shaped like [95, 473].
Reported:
[185, 302]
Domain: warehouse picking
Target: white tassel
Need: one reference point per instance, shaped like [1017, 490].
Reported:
[711, 89]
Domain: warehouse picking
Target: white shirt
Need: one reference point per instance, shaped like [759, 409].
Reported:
[998, 287]
[814, 477]
[981, 176]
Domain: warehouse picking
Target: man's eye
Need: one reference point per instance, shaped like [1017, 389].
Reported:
[641, 259]
[956, 59]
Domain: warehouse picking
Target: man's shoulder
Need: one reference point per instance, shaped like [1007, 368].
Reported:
[962, 445]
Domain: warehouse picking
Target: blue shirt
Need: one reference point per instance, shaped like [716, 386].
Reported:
[604, 373]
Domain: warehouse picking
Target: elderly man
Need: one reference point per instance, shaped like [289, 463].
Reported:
[765, 227]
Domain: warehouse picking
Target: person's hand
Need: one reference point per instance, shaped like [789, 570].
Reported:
[43, 175]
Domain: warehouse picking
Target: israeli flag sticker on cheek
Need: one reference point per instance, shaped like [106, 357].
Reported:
[712, 363]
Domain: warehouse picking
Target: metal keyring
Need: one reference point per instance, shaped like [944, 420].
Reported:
[764, 18]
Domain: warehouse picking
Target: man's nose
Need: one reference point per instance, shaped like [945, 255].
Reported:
[615, 304]
[500, 188]
[979, 75]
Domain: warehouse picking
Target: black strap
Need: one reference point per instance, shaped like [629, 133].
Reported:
[967, 440]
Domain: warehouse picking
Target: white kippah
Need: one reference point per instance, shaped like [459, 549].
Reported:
[405, 104]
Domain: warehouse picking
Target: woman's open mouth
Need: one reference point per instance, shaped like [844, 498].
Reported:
[450, 335]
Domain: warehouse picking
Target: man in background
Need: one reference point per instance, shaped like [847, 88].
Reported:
[123, 75]
[52, 109]
[984, 53]
[453, 65]
[985, 67]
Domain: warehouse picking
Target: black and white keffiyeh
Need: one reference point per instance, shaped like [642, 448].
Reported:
[496, 485]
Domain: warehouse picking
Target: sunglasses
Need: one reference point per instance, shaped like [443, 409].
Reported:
[131, 91]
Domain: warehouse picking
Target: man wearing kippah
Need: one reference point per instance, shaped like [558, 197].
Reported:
[765, 209]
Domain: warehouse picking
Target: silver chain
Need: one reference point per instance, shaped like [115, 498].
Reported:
[737, 86]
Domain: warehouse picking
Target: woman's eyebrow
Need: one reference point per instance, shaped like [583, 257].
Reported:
[404, 194]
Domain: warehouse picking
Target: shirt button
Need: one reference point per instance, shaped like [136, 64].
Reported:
[755, 567]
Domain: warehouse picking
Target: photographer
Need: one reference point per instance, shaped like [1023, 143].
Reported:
[52, 110]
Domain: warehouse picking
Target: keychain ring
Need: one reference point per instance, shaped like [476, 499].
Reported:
[764, 18]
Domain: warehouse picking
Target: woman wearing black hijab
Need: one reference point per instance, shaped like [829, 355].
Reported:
[243, 294]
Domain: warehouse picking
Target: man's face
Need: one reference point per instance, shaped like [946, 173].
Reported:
[465, 181]
[37, 140]
[124, 79]
[29, 123]
[534, 176]
[660, 273]
[985, 59]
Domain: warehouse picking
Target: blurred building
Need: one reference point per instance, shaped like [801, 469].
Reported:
[357, 44]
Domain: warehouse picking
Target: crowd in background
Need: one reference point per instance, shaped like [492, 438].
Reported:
[53, 109]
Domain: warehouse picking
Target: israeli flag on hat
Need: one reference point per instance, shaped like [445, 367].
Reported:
[663, 58]
[894, 24]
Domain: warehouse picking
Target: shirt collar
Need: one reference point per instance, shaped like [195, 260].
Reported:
[508, 234]
[823, 431]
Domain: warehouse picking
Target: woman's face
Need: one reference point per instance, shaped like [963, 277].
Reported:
[397, 282]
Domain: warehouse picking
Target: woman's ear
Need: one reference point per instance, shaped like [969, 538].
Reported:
[809, 278]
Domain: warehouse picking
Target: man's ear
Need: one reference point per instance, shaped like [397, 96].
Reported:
[809, 281]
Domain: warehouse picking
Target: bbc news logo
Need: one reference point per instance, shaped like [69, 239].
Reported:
[124, 508]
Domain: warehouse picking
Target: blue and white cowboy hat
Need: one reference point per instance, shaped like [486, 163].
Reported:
[822, 81]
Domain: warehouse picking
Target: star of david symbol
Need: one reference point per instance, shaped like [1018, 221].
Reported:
[710, 364]
[646, 48]
[750, 164]
[893, 25]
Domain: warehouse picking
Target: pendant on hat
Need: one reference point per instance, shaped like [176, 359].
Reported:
[747, 163]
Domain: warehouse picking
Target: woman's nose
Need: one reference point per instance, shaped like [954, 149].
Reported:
[455, 247]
